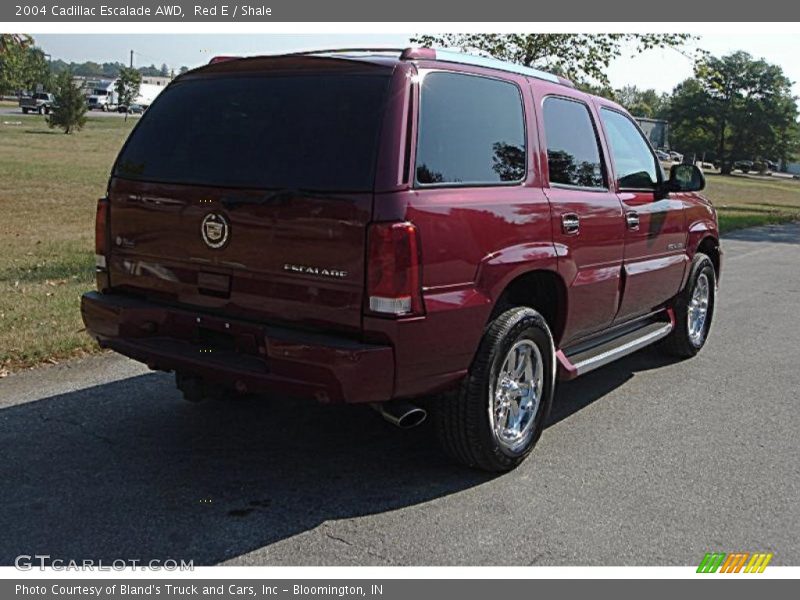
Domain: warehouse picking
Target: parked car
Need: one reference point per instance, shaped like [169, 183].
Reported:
[378, 229]
[676, 156]
[663, 156]
[745, 166]
[40, 102]
[136, 109]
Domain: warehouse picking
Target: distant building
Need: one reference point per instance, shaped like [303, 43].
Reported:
[656, 130]
[156, 80]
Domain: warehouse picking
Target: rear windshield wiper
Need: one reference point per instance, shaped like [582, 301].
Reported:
[280, 196]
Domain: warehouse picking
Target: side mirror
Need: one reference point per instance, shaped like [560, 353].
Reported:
[685, 178]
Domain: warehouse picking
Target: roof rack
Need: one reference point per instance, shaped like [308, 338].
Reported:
[392, 51]
[422, 53]
[464, 58]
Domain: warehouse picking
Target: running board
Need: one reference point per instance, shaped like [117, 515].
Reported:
[574, 365]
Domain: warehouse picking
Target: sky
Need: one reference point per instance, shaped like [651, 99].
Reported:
[657, 69]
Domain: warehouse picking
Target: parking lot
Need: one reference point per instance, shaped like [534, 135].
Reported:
[644, 462]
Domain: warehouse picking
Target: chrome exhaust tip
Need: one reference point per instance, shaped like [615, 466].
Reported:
[401, 414]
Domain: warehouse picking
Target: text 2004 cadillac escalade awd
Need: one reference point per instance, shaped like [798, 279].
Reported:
[371, 228]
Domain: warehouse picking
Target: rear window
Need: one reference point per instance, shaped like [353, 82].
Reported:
[315, 131]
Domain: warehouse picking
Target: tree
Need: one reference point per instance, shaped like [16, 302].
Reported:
[164, 72]
[643, 103]
[581, 57]
[69, 110]
[128, 84]
[741, 107]
[151, 71]
[10, 41]
[183, 69]
[22, 67]
[692, 129]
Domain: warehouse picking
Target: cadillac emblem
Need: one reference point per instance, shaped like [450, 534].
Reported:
[215, 230]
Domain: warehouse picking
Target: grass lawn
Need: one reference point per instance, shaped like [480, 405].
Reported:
[744, 201]
[49, 185]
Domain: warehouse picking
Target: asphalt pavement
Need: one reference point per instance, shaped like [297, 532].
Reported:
[644, 462]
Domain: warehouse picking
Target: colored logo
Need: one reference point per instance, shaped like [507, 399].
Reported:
[735, 562]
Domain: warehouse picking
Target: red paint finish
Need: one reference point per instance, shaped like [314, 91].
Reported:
[284, 327]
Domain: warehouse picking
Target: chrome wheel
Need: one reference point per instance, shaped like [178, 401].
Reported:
[516, 395]
[698, 310]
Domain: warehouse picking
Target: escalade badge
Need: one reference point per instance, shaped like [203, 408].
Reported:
[215, 230]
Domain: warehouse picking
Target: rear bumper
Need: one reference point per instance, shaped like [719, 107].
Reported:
[252, 356]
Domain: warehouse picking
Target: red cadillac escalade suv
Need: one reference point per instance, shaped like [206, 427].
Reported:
[374, 227]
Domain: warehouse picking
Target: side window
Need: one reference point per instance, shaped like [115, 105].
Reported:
[471, 131]
[634, 162]
[573, 154]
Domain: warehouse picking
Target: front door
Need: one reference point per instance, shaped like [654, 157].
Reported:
[655, 234]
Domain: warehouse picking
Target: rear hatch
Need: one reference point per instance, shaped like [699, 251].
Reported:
[248, 190]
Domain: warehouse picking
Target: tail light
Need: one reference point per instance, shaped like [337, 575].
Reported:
[394, 284]
[101, 233]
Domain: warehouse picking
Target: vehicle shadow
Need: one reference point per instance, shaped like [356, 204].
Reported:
[572, 396]
[127, 470]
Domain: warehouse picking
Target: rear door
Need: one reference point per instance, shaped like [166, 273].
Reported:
[250, 193]
[587, 220]
[655, 233]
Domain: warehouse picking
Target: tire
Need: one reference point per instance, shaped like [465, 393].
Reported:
[42, 110]
[465, 419]
[24, 111]
[690, 335]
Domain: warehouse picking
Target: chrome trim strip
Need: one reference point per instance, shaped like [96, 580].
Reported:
[602, 359]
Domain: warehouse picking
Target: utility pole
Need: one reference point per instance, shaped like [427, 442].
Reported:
[131, 59]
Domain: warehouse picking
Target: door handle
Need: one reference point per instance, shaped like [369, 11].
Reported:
[632, 218]
[570, 223]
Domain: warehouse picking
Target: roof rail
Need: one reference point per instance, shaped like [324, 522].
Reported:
[464, 58]
[322, 52]
[346, 51]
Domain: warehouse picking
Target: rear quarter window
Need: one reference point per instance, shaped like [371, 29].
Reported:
[471, 131]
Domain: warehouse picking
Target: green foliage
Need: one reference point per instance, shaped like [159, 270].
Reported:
[643, 103]
[22, 68]
[106, 70]
[91, 69]
[69, 112]
[127, 85]
[693, 130]
[735, 108]
[151, 71]
[582, 57]
[9, 41]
